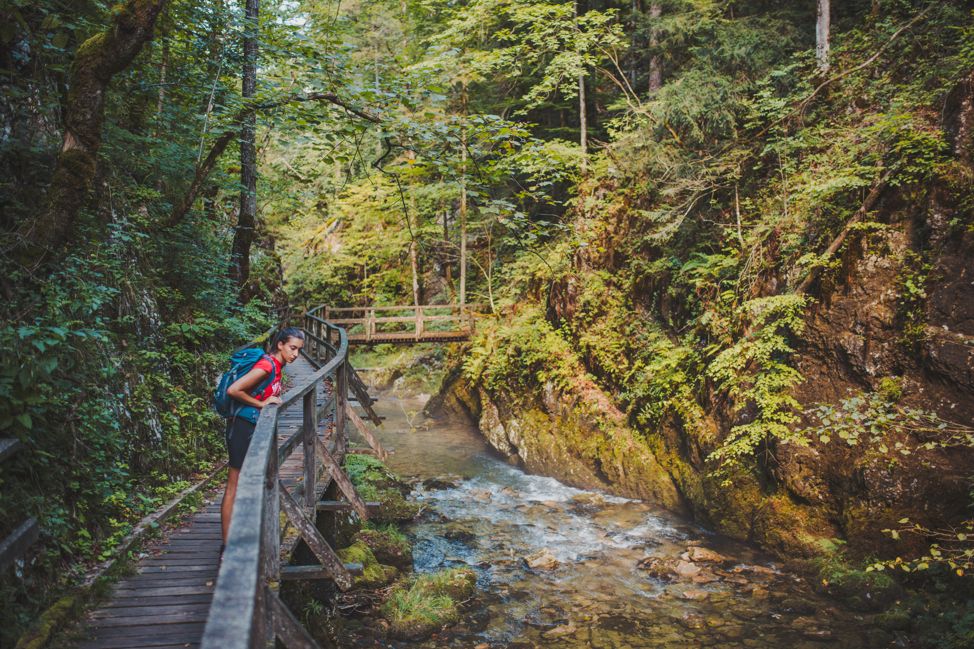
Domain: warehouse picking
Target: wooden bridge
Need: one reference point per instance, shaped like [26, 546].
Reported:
[178, 597]
[403, 324]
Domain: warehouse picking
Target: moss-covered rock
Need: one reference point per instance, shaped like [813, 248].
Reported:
[420, 606]
[374, 574]
[374, 482]
[388, 545]
[858, 589]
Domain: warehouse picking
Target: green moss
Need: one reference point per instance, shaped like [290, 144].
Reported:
[858, 589]
[374, 482]
[456, 583]
[416, 609]
[50, 621]
[389, 545]
[374, 574]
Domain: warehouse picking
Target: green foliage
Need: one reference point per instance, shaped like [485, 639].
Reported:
[524, 353]
[428, 602]
[756, 375]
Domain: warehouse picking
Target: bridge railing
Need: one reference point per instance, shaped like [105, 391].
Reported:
[246, 611]
[374, 323]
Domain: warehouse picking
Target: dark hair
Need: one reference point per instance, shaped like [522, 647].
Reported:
[284, 335]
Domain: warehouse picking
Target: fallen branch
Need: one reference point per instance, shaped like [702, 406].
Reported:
[867, 205]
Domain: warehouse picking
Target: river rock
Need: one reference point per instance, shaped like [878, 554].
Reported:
[542, 560]
[559, 631]
[436, 484]
[703, 555]
[810, 629]
[694, 594]
[686, 569]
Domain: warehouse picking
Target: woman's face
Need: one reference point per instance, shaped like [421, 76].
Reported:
[289, 349]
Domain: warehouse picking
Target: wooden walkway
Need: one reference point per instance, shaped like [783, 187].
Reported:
[165, 604]
[433, 323]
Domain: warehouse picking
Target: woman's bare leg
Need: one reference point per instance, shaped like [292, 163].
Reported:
[226, 508]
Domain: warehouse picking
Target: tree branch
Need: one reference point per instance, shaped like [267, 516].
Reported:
[204, 169]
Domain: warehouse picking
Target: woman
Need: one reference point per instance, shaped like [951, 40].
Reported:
[285, 347]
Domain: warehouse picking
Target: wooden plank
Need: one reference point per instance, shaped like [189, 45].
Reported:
[292, 573]
[316, 543]
[344, 484]
[159, 600]
[366, 433]
[148, 638]
[8, 447]
[287, 627]
[139, 611]
[152, 617]
[18, 541]
[157, 591]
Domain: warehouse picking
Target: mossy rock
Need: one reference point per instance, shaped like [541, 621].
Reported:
[374, 574]
[49, 622]
[456, 583]
[418, 607]
[389, 547]
[861, 590]
[374, 482]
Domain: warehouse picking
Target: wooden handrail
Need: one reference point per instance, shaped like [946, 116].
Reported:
[246, 611]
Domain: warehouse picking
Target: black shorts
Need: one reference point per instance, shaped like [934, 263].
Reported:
[239, 432]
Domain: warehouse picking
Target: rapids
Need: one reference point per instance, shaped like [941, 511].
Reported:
[605, 565]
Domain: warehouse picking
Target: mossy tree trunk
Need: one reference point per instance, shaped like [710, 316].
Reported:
[97, 60]
[243, 236]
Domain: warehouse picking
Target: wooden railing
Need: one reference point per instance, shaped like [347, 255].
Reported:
[246, 611]
[21, 538]
[428, 323]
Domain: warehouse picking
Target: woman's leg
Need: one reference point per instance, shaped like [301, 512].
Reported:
[226, 507]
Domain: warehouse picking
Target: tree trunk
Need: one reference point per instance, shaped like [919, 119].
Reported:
[655, 64]
[243, 236]
[97, 60]
[822, 29]
[463, 205]
[582, 121]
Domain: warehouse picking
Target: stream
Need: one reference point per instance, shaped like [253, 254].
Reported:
[609, 572]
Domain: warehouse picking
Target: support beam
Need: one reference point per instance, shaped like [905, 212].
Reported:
[365, 432]
[316, 542]
[286, 627]
[17, 543]
[344, 484]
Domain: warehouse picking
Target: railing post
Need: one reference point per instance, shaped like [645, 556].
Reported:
[310, 431]
[419, 322]
[270, 550]
[370, 325]
[341, 399]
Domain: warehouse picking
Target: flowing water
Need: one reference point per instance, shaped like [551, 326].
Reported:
[606, 576]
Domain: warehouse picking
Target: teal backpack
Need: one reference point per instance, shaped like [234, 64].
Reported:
[241, 362]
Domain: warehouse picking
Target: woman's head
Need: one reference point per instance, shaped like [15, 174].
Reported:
[287, 342]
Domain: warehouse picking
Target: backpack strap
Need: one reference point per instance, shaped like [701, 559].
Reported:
[270, 377]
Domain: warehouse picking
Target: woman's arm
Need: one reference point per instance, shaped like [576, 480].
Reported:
[240, 389]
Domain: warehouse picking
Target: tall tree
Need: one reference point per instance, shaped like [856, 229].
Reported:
[243, 236]
[97, 60]
[823, 26]
[655, 64]
[582, 118]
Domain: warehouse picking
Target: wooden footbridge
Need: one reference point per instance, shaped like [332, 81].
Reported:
[181, 596]
[404, 324]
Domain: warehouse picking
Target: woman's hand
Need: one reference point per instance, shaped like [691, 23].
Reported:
[269, 400]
